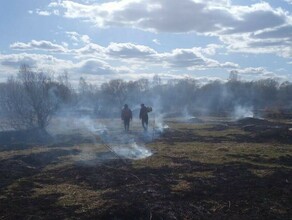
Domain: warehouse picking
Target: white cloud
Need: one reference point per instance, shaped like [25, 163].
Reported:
[139, 55]
[283, 32]
[38, 45]
[240, 27]
[43, 13]
[85, 38]
[65, 44]
[191, 59]
[229, 65]
[56, 12]
[289, 1]
[156, 41]
[252, 71]
[129, 50]
[178, 16]
[258, 73]
[255, 18]
[76, 37]
[93, 67]
[13, 61]
[184, 58]
[211, 49]
[90, 50]
[10, 63]
[115, 59]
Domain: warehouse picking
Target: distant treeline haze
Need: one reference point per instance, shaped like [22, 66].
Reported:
[31, 99]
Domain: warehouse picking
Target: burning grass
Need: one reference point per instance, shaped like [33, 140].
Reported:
[211, 170]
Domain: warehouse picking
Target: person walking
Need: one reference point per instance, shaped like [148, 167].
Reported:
[144, 116]
[126, 116]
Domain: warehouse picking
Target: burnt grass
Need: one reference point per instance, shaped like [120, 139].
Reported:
[232, 170]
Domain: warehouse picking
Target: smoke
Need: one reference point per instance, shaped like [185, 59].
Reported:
[242, 112]
[159, 123]
[104, 136]
[91, 125]
[94, 111]
[185, 114]
[67, 123]
[132, 151]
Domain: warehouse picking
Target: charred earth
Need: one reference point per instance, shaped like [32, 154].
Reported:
[214, 169]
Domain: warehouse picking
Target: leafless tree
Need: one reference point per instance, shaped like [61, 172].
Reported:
[116, 91]
[30, 99]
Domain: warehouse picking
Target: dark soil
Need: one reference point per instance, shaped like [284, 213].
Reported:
[25, 136]
[257, 121]
[263, 130]
[231, 192]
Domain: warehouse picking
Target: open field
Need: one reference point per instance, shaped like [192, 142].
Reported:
[216, 169]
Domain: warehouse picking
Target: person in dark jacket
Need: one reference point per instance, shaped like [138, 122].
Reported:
[144, 116]
[126, 116]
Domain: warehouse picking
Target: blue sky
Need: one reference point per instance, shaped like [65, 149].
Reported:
[130, 39]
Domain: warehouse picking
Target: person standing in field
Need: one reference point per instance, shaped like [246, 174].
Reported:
[144, 116]
[126, 117]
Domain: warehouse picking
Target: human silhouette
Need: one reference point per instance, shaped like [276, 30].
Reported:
[126, 116]
[144, 116]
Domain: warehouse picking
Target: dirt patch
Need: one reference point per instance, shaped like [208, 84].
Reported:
[257, 121]
[25, 136]
[194, 120]
[180, 181]
[262, 130]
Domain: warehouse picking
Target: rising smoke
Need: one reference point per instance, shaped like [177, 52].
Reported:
[94, 111]
[242, 112]
[103, 135]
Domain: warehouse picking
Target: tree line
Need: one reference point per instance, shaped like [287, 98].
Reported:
[31, 99]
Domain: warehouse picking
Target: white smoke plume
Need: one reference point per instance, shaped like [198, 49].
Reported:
[121, 144]
[242, 112]
[132, 151]
[159, 122]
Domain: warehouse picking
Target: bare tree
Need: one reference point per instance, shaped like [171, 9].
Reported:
[16, 111]
[116, 91]
[30, 100]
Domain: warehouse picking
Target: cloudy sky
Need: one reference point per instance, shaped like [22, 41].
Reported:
[129, 39]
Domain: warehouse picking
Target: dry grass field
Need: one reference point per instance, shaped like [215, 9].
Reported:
[216, 169]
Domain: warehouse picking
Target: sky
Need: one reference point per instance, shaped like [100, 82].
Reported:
[133, 39]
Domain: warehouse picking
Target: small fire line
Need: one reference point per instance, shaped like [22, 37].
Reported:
[109, 148]
[126, 163]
